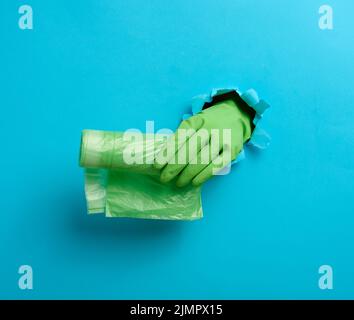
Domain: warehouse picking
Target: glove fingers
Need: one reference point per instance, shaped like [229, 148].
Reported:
[205, 156]
[187, 153]
[220, 162]
[186, 129]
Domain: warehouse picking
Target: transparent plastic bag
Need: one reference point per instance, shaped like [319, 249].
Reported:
[123, 188]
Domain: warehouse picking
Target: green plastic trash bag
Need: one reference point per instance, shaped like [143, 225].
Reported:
[120, 179]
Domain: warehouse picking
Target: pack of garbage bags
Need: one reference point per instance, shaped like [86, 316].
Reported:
[120, 180]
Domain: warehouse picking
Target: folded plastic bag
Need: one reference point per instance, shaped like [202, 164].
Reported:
[121, 181]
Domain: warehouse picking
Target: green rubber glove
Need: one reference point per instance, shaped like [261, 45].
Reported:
[227, 126]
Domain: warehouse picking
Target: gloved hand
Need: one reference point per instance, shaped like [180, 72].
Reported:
[217, 137]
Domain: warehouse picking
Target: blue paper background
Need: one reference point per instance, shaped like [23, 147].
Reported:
[112, 65]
